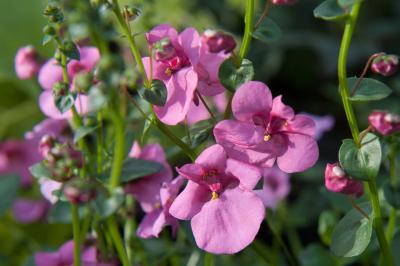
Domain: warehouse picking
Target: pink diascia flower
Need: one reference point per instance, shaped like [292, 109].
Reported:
[28, 210]
[384, 122]
[336, 180]
[51, 73]
[275, 188]
[322, 124]
[147, 189]
[284, 2]
[26, 62]
[65, 256]
[385, 64]
[225, 213]
[267, 130]
[155, 220]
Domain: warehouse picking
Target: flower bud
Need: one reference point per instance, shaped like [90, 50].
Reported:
[45, 145]
[218, 41]
[336, 180]
[53, 13]
[283, 2]
[79, 191]
[384, 122]
[49, 30]
[27, 63]
[385, 64]
[131, 13]
[60, 89]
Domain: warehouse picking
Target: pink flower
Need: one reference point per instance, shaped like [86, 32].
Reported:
[199, 112]
[217, 41]
[147, 189]
[28, 211]
[225, 214]
[175, 56]
[336, 180]
[16, 157]
[276, 187]
[284, 2]
[48, 126]
[49, 108]
[385, 65]
[26, 62]
[266, 131]
[47, 187]
[65, 256]
[322, 124]
[155, 220]
[384, 122]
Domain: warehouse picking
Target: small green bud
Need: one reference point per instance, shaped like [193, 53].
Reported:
[49, 30]
[60, 89]
[130, 13]
[83, 82]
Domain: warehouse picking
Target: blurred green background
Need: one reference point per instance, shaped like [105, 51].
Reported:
[301, 65]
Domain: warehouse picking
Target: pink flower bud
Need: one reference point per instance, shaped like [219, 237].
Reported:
[283, 2]
[218, 41]
[45, 145]
[384, 122]
[26, 62]
[79, 191]
[336, 180]
[385, 65]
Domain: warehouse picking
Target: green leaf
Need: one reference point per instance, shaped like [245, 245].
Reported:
[368, 90]
[330, 10]
[347, 3]
[106, 206]
[326, 224]
[268, 31]
[199, 133]
[232, 76]
[97, 99]
[316, 255]
[64, 103]
[392, 194]
[156, 94]
[46, 39]
[361, 162]
[83, 131]
[40, 170]
[353, 233]
[70, 50]
[146, 128]
[9, 185]
[61, 213]
[133, 169]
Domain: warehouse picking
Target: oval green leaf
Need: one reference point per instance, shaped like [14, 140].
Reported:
[361, 162]
[106, 206]
[268, 31]
[133, 169]
[330, 10]
[156, 94]
[232, 76]
[368, 90]
[353, 233]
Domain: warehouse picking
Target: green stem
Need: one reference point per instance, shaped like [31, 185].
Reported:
[130, 226]
[342, 72]
[100, 146]
[75, 230]
[378, 225]
[208, 259]
[248, 31]
[126, 29]
[118, 149]
[117, 240]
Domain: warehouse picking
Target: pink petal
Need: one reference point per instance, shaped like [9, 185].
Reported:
[50, 73]
[145, 228]
[90, 55]
[190, 40]
[193, 172]
[180, 88]
[196, 113]
[251, 99]
[301, 154]
[66, 252]
[136, 150]
[159, 69]
[247, 174]
[28, 211]
[210, 88]
[213, 158]
[279, 109]
[244, 135]
[169, 190]
[302, 124]
[160, 32]
[153, 152]
[190, 201]
[47, 259]
[230, 223]
[221, 102]
[48, 107]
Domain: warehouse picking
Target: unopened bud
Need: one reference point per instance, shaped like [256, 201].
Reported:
[218, 41]
[45, 145]
[384, 122]
[27, 63]
[53, 13]
[83, 82]
[79, 191]
[49, 30]
[336, 180]
[131, 13]
[385, 64]
[60, 89]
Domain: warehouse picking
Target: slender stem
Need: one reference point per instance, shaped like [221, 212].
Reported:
[130, 226]
[118, 149]
[264, 14]
[208, 259]
[207, 107]
[228, 109]
[342, 73]
[378, 225]
[132, 43]
[393, 213]
[365, 70]
[117, 240]
[99, 142]
[248, 31]
[75, 230]
[358, 208]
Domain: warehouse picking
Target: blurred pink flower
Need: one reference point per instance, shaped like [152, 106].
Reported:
[384, 122]
[266, 130]
[28, 210]
[225, 214]
[322, 124]
[284, 2]
[27, 63]
[336, 180]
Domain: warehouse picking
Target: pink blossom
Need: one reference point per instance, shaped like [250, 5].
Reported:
[336, 180]
[199, 112]
[27, 62]
[385, 64]
[322, 124]
[155, 220]
[48, 126]
[276, 187]
[48, 187]
[266, 131]
[28, 211]
[225, 213]
[284, 2]
[147, 189]
[384, 122]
